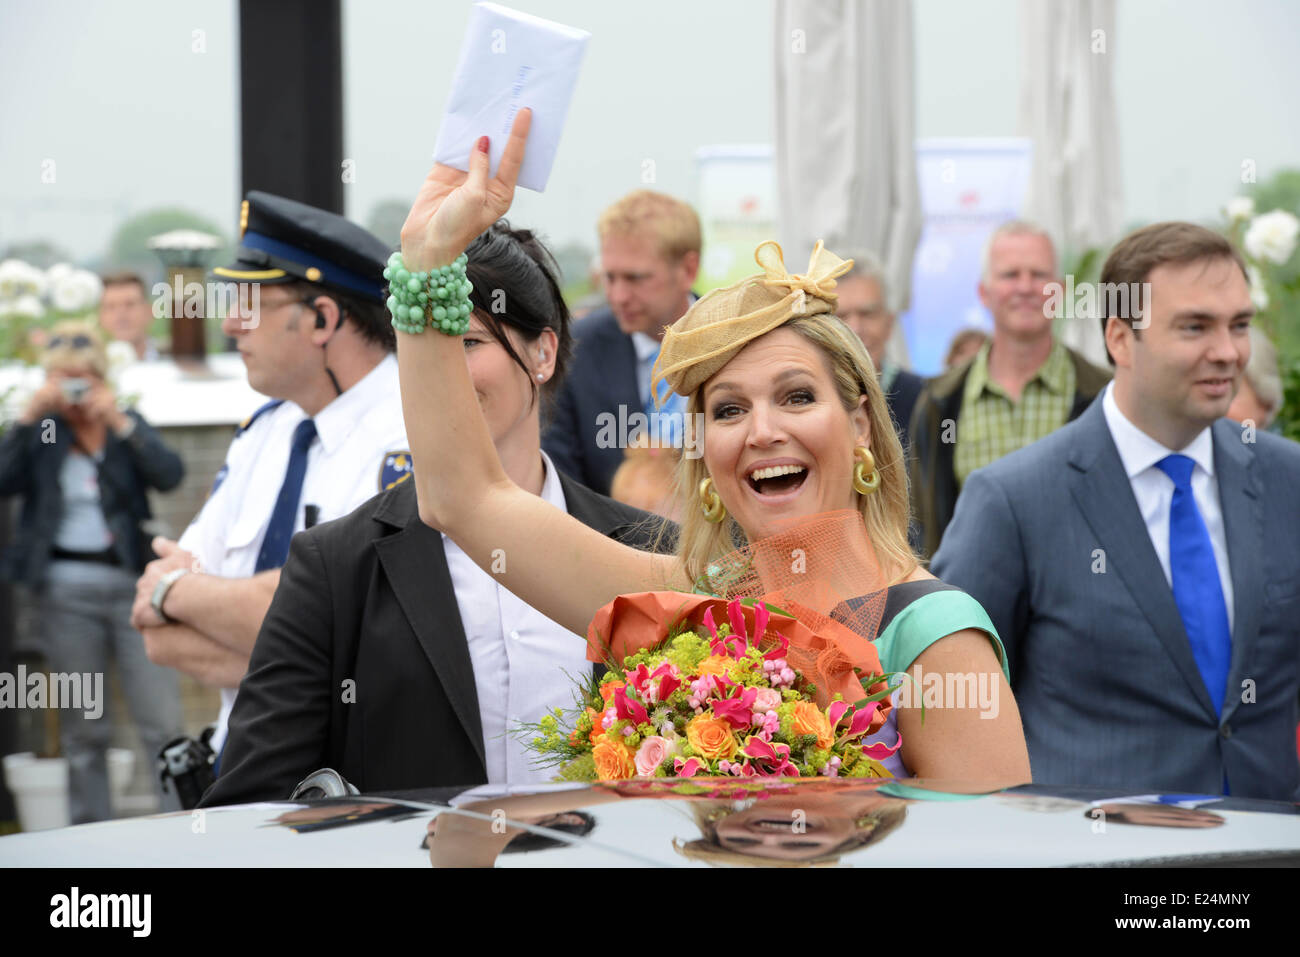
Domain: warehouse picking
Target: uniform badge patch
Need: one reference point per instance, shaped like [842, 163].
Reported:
[397, 466]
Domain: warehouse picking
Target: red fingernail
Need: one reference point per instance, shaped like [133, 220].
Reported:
[482, 144]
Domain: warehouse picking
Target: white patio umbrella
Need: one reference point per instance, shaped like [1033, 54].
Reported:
[845, 164]
[1067, 106]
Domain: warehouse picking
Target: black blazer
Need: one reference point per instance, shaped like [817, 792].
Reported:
[601, 378]
[901, 399]
[30, 467]
[362, 663]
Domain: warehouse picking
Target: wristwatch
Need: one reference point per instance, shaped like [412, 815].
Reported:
[162, 588]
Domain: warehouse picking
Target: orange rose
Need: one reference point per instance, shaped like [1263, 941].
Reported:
[807, 718]
[714, 665]
[613, 760]
[711, 736]
[607, 690]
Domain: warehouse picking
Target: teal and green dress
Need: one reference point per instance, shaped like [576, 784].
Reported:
[916, 615]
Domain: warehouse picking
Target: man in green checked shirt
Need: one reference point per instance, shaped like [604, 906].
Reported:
[1020, 387]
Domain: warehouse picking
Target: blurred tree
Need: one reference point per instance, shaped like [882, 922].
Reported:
[128, 249]
[1279, 191]
[574, 260]
[38, 252]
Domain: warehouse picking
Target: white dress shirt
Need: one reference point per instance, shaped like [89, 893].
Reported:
[1154, 490]
[355, 435]
[647, 348]
[524, 663]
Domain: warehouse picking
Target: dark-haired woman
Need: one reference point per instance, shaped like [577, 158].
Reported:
[388, 654]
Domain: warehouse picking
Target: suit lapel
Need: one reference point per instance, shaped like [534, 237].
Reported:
[1101, 489]
[589, 508]
[625, 387]
[416, 566]
[1243, 526]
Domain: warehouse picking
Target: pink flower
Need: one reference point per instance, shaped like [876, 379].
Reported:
[708, 623]
[737, 616]
[629, 709]
[653, 752]
[767, 699]
[737, 711]
[688, 768]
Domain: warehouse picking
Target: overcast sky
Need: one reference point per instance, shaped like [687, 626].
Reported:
[134, 109]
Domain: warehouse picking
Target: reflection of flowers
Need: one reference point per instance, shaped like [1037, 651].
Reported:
[1272, 236]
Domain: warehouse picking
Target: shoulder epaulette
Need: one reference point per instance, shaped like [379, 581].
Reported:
[248, 422]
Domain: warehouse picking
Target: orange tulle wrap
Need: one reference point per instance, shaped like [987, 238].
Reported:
[804, 575]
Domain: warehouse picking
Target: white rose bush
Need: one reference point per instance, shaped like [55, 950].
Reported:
[31, 299]
[1268, 240]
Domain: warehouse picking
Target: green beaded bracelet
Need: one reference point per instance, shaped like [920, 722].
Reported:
[439, 297]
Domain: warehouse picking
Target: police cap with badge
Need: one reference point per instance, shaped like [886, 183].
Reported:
[281, 240]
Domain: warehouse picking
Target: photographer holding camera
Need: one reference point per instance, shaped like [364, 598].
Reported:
[82, 467]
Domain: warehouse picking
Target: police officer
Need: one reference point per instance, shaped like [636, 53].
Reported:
[318, 342]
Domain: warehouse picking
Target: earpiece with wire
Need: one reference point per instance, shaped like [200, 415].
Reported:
[320, 324]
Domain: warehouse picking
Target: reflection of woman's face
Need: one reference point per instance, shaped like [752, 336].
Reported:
[774, 406]
[793, 829]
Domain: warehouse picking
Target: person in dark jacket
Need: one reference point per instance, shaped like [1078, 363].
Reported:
[82, 468]
[863, 306]
[1020, 387]
[388, 655]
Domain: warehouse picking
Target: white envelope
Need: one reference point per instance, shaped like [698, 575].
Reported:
[511, 60]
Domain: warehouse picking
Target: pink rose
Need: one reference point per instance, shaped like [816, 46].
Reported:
[652, 753]
[769, 699]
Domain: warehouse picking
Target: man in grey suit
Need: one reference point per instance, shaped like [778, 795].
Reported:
[1142, 564]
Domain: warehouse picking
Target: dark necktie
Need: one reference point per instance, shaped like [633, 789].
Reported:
[1197, 588]
[275, 545]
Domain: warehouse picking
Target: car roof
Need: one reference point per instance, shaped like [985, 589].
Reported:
[674, 822]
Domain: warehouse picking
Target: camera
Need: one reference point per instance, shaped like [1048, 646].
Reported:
[187, 763]
[74, 390]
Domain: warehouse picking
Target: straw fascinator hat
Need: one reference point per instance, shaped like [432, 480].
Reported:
[724, 321]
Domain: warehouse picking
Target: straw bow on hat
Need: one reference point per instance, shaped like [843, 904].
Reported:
[725, 320]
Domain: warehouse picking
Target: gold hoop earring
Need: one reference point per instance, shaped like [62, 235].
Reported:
[865, 477]
[710, 504]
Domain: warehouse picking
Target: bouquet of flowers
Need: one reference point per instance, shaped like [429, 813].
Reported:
[720, 699]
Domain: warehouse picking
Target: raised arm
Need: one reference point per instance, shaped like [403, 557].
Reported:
[549, 559]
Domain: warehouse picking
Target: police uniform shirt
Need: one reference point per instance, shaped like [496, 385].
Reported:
[524, 663]
[359, 450]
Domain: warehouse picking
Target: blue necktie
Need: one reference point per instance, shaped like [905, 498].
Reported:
[275, 545]
[670, 409]
[1197, 589]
